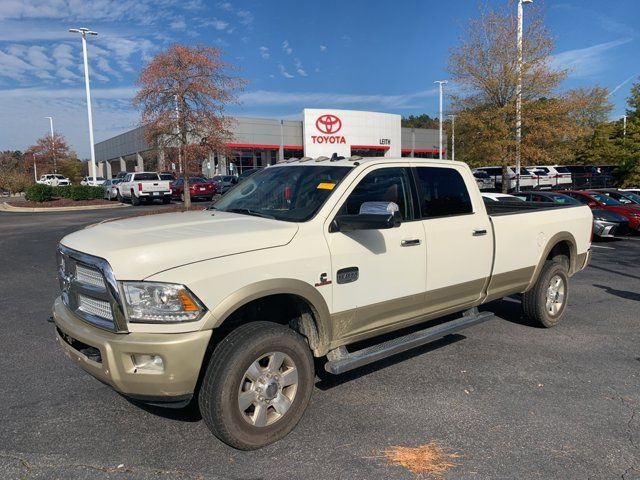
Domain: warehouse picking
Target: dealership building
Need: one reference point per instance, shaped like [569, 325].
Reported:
[259, 142]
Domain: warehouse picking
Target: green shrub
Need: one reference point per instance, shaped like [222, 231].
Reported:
[39, 193]
[78, 192]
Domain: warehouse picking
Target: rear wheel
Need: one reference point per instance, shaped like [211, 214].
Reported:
[119, 197]
[257, 385]
[135, 201]
[545, 303]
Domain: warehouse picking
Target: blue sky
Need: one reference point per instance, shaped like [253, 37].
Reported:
[368, 55]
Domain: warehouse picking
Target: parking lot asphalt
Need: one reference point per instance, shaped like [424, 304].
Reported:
[513, 400]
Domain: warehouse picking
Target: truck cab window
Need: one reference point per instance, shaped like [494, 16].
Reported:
[382, 185]
[442, 192]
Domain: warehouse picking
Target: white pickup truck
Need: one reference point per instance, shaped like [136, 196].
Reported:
[303, 259]
[140, 186]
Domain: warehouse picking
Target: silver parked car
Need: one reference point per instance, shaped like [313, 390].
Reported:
[110, 189]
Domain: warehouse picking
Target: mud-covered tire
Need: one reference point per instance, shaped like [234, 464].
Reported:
[248, 353]
[545, 303]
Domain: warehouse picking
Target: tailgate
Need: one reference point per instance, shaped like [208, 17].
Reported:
[152, 186]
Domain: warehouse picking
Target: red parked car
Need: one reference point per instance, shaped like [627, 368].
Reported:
[602, 201]
[198, 188]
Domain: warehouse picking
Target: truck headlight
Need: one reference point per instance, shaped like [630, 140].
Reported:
[154, 302]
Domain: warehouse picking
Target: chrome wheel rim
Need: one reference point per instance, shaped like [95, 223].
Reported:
[556, 293]
[267, 389]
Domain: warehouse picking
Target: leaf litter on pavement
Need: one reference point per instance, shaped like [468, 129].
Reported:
[428, 460]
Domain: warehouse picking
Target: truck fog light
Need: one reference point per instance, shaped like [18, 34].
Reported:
[150, 363]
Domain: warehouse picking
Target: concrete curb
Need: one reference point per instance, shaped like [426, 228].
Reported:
[10, 208]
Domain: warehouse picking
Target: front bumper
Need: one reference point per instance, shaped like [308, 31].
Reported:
[108, 356]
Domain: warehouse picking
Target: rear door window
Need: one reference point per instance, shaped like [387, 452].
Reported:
[442, 192]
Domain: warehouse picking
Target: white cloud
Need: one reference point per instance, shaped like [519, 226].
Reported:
[178, 24]
[112, 113]
[299, 68]
[583, 62]
[245, 17]
[264, 52]
[12, 66]
[286, 48]
[38, 58]
[216, 23]
[65, 60]
[323, 48]
[283, 71]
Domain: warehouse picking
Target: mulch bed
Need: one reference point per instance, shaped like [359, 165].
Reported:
[61, 202]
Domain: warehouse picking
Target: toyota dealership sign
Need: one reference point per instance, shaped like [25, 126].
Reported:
[338, 131]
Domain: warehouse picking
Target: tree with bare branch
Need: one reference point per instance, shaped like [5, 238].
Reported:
[183, 94]
[484, 69]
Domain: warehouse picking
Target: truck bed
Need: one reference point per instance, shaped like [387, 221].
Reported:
[512, 208]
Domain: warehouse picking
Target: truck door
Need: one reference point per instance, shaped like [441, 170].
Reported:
[378, 276]
[459, 238]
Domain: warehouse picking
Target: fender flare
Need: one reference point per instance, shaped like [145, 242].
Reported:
[275, 286]
[551, 244]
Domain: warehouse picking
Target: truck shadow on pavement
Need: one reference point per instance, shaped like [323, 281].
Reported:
[509, 309]
[190, 413]
[620, 293]
[328, 381]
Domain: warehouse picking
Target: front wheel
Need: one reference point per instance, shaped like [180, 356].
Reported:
[546, 301]
[257, 385]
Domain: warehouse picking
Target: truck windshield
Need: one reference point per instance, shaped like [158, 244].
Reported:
[290, 193]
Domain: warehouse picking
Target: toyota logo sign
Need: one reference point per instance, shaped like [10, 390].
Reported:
[328, 124]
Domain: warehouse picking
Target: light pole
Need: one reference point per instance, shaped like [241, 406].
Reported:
[453, 137]
[35, 168]
[440, 83]
[519, 93]
[84, 32]
[53, 152]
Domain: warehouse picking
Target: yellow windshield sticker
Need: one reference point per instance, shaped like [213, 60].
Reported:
[326, 186]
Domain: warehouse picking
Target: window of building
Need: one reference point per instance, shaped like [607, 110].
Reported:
[442, 192]
[293, 153]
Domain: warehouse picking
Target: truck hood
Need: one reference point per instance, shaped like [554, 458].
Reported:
[139, 247]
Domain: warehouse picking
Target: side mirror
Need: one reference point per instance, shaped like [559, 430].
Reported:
[372, 216]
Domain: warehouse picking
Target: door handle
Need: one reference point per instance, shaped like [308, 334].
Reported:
[410, 243]
[479, 233]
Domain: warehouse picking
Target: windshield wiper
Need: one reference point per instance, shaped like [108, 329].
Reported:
[247, 211]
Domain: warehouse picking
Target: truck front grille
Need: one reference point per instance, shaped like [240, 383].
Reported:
[90, 290]
[99, 308]
[89, 276]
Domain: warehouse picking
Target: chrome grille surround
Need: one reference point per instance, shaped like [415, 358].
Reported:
[101, 305]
